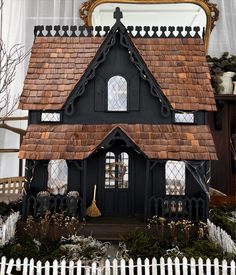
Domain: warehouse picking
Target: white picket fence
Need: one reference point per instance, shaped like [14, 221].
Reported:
[221, 238]
[121, 267]
[8, 228]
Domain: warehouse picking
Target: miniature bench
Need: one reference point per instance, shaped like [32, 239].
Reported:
[11, 189]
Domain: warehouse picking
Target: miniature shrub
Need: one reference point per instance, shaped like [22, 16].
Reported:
[32, 248]
[221, 216]
[51, 227]
[72, 248]
[7, 209]
[141, 244]
[205, 249]
[179, 233]
[86, 249]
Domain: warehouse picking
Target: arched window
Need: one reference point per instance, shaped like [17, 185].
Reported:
[117, 94]
[175, 177]
[117, 170]
[57, 176]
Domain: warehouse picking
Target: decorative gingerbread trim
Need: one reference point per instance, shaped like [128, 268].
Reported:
[212, 13]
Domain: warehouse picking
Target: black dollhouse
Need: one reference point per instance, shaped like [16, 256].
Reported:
[125, 112]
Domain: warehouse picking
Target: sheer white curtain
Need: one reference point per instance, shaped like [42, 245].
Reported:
[223, 36]
[18, 19]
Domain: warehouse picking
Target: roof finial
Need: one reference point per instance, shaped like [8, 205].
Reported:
[118, 14]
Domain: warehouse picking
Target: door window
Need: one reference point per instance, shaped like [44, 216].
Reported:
[117, 170]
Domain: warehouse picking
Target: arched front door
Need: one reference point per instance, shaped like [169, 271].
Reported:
[116, 186]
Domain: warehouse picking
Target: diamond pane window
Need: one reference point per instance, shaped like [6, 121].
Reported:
[184, 117]
[175, 177]
[110, 170]
[117, 94]
[57, 176]
[123, 170]
[51, 117]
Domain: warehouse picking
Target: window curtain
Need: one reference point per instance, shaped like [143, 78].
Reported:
[223, 36]
[18, 18]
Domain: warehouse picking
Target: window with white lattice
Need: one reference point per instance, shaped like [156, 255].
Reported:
[117, 94]
[175, 177]
[184, 117]
[57, 176]
[50, 117]
[117, 170]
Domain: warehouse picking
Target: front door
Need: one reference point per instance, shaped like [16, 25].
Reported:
[116, 186]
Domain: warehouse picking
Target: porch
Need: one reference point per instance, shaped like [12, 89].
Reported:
[169, 207]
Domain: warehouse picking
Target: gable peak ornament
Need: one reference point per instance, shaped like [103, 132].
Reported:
[118, 15]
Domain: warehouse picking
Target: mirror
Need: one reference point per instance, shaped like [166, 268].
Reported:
[153, 13]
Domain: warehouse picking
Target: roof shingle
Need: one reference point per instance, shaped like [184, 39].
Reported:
[155, 141]
[58, 63]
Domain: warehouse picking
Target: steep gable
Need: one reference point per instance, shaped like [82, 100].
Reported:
[60, 68]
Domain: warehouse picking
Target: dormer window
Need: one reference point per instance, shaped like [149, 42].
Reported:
[117, 94]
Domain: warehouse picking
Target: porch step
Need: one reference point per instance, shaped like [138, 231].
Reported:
[111, 229]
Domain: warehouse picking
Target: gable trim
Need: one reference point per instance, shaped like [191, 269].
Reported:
[118, 30]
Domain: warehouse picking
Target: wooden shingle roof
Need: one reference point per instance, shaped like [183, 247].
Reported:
[155, 141]
[58, 63]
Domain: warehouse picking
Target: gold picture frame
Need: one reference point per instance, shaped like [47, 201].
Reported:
[212, 13]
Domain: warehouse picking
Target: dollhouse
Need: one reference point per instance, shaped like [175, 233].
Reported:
[125, 112]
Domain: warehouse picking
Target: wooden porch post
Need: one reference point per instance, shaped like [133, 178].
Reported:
[146, 189]
[84, 201]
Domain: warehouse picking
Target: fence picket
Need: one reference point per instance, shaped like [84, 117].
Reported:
[162, 266]
[200, 266]
[87, 270]
[185, 266]
[232, 268]
[63, 267]
[139, 266]
[208, 267]
[122, 266]
[224, 267]
[154, 266]
[10, 266]
[71, 268]
[3, 265]
[39, 268]
[115, 267]
[193, 266]
[25, 267]
[78, 267]
[147, 266]
[55, 267]
[177, 266]
[18, 264]
[169, 266]
[107, 267]
[94, 268]
[131, 267]
[47, 268]
[31, 267]
[216, 267]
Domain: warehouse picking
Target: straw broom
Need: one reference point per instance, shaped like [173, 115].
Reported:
[92, 210]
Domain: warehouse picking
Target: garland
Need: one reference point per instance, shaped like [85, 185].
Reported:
[122, 168]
